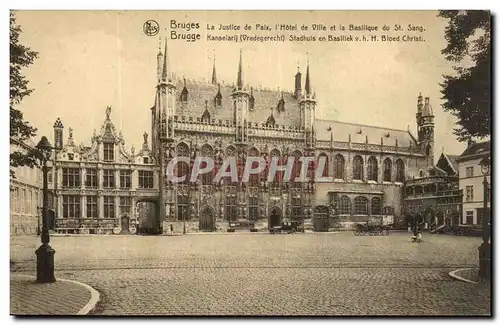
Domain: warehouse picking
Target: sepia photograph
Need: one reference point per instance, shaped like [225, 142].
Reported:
[250, 163]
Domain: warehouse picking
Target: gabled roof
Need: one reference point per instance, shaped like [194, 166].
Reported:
[476, 148]
[359, 133]
[448, 164]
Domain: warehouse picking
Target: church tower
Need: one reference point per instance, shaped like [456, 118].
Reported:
[425, 127]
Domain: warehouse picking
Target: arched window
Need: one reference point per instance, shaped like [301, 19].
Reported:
[206, 178]
[345, 205]
[372, 169]
[323, 162]
[387, 170]
[376, 206]
[339, 166]
[182, 168]
[361, 205]
[357, 168]
[400, 171]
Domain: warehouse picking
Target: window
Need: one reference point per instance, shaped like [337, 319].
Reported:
[146, 179]
[91, 178]
[469, 171]
[23, 200]
[253, 179]
[357, 168]
[109, 207]
[125, 179]
[183, 170]
[16, 199]
[71, 177]
[387, 170]
[71, 206]
[253, 208]
[339, 167]
[109, 151]
[231, 208]
[145, 160]
[296, 170]
[323, 160]
[376, 206]
[345, 205]
[49, 176]
[29, 207]
[108, 178]
[296, 207]
[469, 217]
[182, 207]
[361, 205]
[125, 205]
[92, 207]
[206, 178]
[372, 169]
[469, 190]
[400, 171]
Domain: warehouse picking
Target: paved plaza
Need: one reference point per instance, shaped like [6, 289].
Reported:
[263, 274]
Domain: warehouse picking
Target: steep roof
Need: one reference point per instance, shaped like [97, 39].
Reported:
[448, 164]
[359, 133]
[264, 101]
[476, 149]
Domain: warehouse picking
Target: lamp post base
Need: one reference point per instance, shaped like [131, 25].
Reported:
[45, 264]
[484, 260]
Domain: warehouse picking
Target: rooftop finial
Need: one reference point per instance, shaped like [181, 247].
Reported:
[308, 78]
[164, 75]
[239, 81]
[214, 74]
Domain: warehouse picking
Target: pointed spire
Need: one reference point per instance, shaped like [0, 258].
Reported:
[214, 74]
[239, 81]
[164, 75]
[308, 80]
[159, 46]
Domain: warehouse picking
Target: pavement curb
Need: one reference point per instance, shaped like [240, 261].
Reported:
[94, 294]
[454, 275]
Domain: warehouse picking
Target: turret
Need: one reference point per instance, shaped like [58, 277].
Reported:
[58, 134]
[307, 111]
[241, 100]
[425, 124]
[298, 84]
[165, 101]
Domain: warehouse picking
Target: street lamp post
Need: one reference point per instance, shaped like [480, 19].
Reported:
[484, 248]
[45, 253]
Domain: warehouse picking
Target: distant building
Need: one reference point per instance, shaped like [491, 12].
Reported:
[471, 181]
[26, 195]
[433, 198]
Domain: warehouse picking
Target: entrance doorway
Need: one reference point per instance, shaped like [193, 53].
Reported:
[320, 221]
[207, 219]
[125, 225]
[148, 214]
[275, 217]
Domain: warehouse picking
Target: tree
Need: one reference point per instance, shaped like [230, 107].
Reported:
[20, 130]
[467, 94]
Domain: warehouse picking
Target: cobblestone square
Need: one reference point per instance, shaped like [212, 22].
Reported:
[263, 274]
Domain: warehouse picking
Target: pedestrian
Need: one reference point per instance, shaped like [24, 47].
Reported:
[172, 229]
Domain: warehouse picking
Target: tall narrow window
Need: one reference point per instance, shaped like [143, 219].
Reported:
[372, 169]
[357, 168]
[323, 163]
[182, 207]
[387, 170]
[109, 151]
[91, 178]
[125, 179]
[376, 206]
[109, 207]
[361, 205]
[339, 166]
[71, 177]
[92, 207]
[231, 214]
[125, 205]
[345, 205]
[253, 208]
[400, 171]
[108, 178]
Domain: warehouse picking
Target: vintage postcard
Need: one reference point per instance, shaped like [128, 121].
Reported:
[248, 163]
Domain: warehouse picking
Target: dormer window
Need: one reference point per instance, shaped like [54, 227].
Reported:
[251, 103]
[281, 104]
[205, 118]
[218, 98]
[270, 121]
[71, 156]
[145, 160]
[184, 93]
[109, 151]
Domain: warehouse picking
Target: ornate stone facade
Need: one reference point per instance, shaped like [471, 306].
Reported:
[189, 118]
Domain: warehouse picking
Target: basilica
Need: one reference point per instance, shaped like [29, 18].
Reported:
[107, 188]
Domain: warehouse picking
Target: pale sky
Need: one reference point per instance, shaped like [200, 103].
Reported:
[91, 59]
